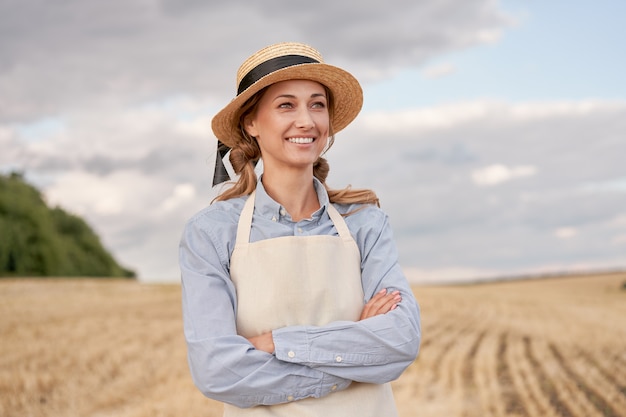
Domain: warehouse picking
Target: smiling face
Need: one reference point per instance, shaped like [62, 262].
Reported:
[290, 124]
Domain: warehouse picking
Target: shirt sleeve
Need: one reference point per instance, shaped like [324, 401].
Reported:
[374, 350]
[225, 366]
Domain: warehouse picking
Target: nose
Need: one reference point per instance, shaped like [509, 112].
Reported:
[304, 120]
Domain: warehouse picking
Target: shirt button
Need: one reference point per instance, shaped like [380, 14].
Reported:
[290, 398]
[333, 388]
[291, 354]
[274, 218]
[282, 212]
[299, 230]
[338, 358]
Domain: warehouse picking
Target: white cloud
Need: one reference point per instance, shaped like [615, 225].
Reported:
[88, 194]
[182, 194]
[607, 185]
[423, 120]
[618, 221]
[498, 173]
[619, 240]
[438, 71]
[491, 113]
[489, 36]
[566, 232]
[555, 109]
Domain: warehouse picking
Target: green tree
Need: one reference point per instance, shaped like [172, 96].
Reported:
[36, 240]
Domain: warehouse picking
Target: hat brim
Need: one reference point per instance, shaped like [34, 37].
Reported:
[346, 91]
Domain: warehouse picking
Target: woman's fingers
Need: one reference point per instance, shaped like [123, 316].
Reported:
[365, 313]
[382, 302]
[264, 342]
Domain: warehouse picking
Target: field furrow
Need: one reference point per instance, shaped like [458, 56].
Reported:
[527, 382]
[548, 386]
[471, 401]
[593, 392]
[513, 404]
[433, 334]
[452, 378]
[443, 347]
[486, 377]
[567, 388]
[600, 366]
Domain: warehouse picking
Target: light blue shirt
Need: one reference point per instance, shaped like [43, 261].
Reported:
[227, 368]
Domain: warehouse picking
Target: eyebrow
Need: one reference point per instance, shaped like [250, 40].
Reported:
[293, 97]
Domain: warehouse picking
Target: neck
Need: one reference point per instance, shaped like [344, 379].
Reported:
[294, 191]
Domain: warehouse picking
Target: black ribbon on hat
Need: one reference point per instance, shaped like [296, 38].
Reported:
[220, 174]
[271, 65]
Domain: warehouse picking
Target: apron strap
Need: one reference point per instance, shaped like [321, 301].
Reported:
[340, 223]
[245, 222]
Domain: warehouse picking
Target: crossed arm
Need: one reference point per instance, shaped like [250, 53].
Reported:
[382, 302]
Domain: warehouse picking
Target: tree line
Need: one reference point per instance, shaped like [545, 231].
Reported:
[37, 240]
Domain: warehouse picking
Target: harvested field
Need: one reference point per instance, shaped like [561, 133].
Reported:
[96, 348]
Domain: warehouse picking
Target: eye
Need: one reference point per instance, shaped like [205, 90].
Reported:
[319, 105]
[285, 105]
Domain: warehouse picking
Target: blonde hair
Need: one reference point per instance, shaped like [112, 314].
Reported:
[246, 153]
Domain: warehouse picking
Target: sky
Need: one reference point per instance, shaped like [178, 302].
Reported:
[493, 132]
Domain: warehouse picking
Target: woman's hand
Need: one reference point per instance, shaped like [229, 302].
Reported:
[381, 303]
[264, 342]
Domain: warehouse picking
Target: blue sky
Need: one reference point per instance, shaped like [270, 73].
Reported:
[555, 50]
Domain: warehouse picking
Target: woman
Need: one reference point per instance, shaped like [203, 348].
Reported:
[293, 300]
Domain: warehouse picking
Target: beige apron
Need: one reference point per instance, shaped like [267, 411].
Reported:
[303, 280]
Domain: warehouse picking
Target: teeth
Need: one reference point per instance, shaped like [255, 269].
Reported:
[300, 140]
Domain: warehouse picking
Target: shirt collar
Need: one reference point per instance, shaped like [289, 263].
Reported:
[267, 207]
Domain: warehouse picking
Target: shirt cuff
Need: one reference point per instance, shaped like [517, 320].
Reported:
[332, 383]
[291, 345]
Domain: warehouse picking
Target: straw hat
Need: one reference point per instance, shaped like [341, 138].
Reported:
[289, 61]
